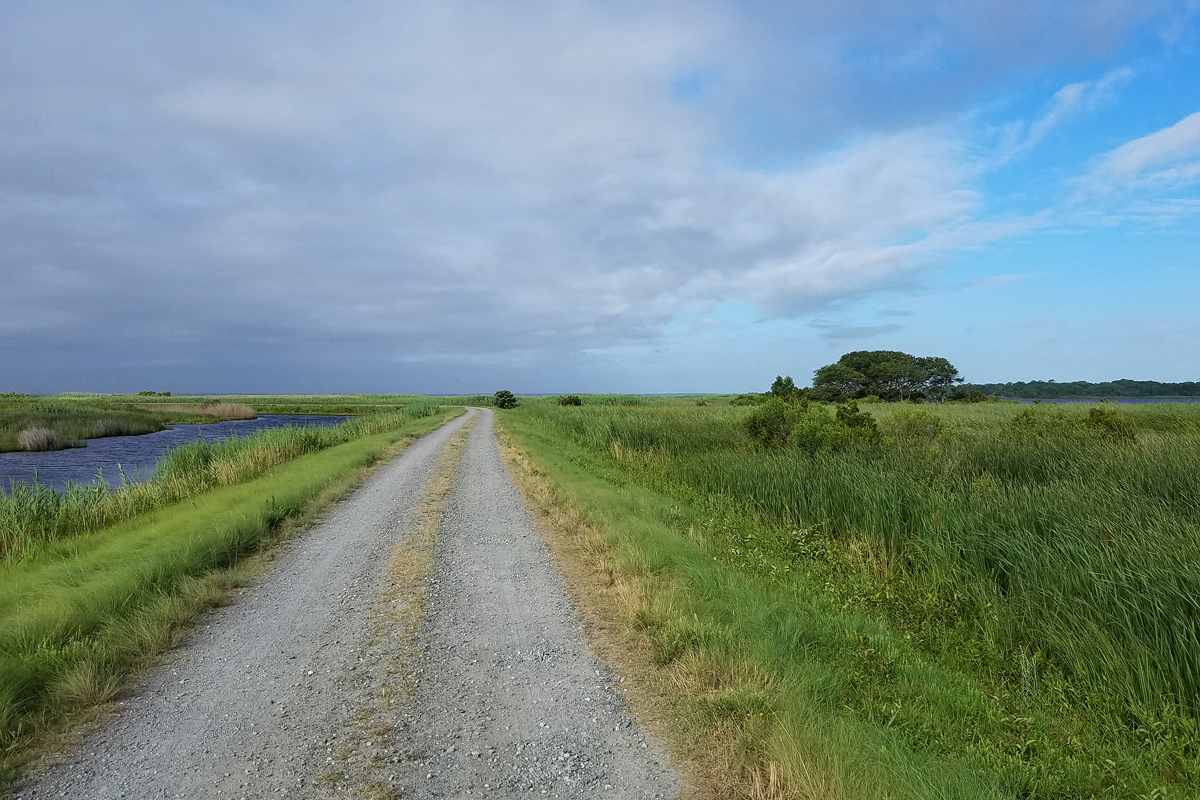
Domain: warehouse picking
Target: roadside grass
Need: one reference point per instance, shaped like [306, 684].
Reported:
[34, 514]
[734, 670]
[80, 616]
[975, 606]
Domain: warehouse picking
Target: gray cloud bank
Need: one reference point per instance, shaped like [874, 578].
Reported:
[434, 196]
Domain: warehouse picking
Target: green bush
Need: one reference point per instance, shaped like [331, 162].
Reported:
[505, 399]
[570, 400]
[915, 426]
[1106, 421]
[816, 431]
[849, 415]
[769, 424]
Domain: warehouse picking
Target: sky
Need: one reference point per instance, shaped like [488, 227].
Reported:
[458, 196]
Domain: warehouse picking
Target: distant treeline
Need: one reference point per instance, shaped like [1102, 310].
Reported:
[1121, 388]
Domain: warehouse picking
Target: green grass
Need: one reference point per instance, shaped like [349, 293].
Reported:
[33, 515]
[1012, 600]
[77, 616]
[69, 425]
[272, 404]
[66, 420]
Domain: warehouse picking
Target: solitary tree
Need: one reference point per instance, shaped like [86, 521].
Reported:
[505, 399]
[888, 374]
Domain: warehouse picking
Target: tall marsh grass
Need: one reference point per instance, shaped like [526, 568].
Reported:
[37, 438]
[34, 514]
[1070, 535]
[35, 425]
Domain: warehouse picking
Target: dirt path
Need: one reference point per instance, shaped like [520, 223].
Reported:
[305, 688]
[511, 703]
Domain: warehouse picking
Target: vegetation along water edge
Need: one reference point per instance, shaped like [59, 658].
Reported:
[56, 422]
[119, 575]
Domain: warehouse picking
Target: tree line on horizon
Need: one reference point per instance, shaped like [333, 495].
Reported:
[892, 375]
[1084, 389]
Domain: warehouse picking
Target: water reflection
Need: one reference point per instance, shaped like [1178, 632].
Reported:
[105, 459]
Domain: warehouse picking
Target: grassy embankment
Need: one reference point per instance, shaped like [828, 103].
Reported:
[92, 601]
[33, 515]
[981, 601]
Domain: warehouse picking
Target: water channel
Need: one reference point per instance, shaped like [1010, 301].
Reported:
[105, 459]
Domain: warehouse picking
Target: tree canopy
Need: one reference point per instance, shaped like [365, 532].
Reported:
[887, 374]
[783, 386]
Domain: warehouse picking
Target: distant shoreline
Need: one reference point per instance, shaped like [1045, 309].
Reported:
[1104, 399]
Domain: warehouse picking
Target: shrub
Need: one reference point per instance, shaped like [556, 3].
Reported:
[505, 399]
[569, 400]
[816, 431]
[849, 415]
[1106, 421]
[769, 424]
[915, 425]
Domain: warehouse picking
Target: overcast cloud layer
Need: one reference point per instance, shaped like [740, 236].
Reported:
[452, 196]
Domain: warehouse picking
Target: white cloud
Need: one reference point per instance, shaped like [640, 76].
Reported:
[1068, 102]
[460, 179]
[1159, 157]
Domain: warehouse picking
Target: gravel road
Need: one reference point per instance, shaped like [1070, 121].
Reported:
[280, 693]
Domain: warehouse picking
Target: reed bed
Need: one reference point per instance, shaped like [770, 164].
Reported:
[34, 514]
[35, 425]
[216, 410]
[1049, 555]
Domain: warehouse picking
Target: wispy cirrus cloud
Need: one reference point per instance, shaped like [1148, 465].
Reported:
[1068, 102]
[1167, 156]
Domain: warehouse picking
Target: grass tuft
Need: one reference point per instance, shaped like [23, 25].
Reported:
[34, 439]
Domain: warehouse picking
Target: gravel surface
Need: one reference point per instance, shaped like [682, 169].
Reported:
[278, 694]
[510, 702]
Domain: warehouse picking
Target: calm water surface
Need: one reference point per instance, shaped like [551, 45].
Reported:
[104, 459]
